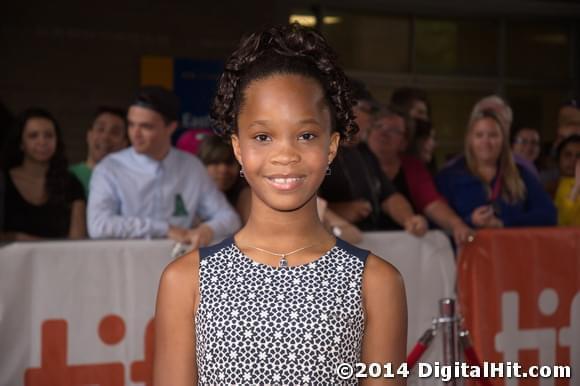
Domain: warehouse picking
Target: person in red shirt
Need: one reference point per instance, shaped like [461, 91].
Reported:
[387, 140]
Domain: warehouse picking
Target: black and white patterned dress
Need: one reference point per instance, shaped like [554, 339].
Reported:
[258, 324]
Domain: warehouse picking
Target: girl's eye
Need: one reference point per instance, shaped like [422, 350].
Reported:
[261, 138]
[307, 136]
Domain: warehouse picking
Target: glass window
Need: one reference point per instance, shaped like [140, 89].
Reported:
[456, 47]
[537, 107]
[538, 51]
[369, 42]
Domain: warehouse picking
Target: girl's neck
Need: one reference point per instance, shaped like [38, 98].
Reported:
[280, 231]
[33, 168]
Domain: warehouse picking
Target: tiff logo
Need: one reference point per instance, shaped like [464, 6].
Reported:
[55, 370]
[511, 338]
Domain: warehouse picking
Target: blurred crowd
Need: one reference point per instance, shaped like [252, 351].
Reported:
[143, 177]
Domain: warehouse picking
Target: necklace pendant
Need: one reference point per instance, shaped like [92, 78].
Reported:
[283, 262]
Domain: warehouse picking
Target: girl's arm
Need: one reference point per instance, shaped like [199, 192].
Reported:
[78, 220]
[174, 363]
[385, 337]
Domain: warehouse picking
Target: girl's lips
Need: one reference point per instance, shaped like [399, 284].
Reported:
[285, 183]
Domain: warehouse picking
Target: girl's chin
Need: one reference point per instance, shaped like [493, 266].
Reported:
[287, 204]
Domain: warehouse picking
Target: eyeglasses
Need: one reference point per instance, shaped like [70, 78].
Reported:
[524, 141]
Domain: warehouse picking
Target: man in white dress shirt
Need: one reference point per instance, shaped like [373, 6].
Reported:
[152, 190]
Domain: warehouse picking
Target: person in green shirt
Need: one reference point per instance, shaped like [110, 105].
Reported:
[107, 134]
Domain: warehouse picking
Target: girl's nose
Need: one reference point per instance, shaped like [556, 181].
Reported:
[286, 153]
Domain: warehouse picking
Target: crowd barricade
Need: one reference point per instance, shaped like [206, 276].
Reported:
[519, 292]
[80, 312]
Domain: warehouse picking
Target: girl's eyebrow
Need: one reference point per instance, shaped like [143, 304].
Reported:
[309, 120]
[265, 123]
[261, 122]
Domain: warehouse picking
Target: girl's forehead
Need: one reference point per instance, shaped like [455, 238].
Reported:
[283, 92]
[284, 81]
[39, 123]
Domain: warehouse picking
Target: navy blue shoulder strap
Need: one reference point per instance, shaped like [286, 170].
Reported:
[362, 254]
[212, 249]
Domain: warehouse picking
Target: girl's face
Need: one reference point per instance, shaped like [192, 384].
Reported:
[38, 139]
[284, 141]
[486, 140]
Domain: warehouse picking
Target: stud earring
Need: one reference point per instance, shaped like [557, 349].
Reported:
[328, 171]
[242, 174]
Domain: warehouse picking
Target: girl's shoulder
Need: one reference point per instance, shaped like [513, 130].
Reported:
[206, 252]
[359, 253]
[381, 279]
[181, 276]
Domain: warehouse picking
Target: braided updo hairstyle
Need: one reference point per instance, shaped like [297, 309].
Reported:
[284, 49]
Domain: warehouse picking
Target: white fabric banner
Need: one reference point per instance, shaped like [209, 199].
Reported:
[81, 309]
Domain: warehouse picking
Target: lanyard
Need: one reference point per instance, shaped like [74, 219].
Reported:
[496, 188]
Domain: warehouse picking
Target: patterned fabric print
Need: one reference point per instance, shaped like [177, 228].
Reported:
[258, 324]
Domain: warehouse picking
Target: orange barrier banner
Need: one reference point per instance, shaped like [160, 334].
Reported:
[519, 292]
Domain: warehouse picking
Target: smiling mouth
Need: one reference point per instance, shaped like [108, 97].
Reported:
[285, 183]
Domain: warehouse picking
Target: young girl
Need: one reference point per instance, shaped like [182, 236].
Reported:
[283, 301]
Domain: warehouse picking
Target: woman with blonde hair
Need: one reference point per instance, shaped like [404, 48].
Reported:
[487, 188]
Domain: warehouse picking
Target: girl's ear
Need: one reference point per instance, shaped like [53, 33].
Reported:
[236, 147]
[334, 144]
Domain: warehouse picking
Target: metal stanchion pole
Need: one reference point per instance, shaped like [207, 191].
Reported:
[453, 338]
[448, 325]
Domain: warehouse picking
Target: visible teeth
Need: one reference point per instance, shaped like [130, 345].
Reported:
[285, 180]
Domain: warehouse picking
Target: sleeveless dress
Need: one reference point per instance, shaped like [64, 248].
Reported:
[258, 324]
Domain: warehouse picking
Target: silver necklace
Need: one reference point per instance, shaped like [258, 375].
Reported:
[283, 263]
